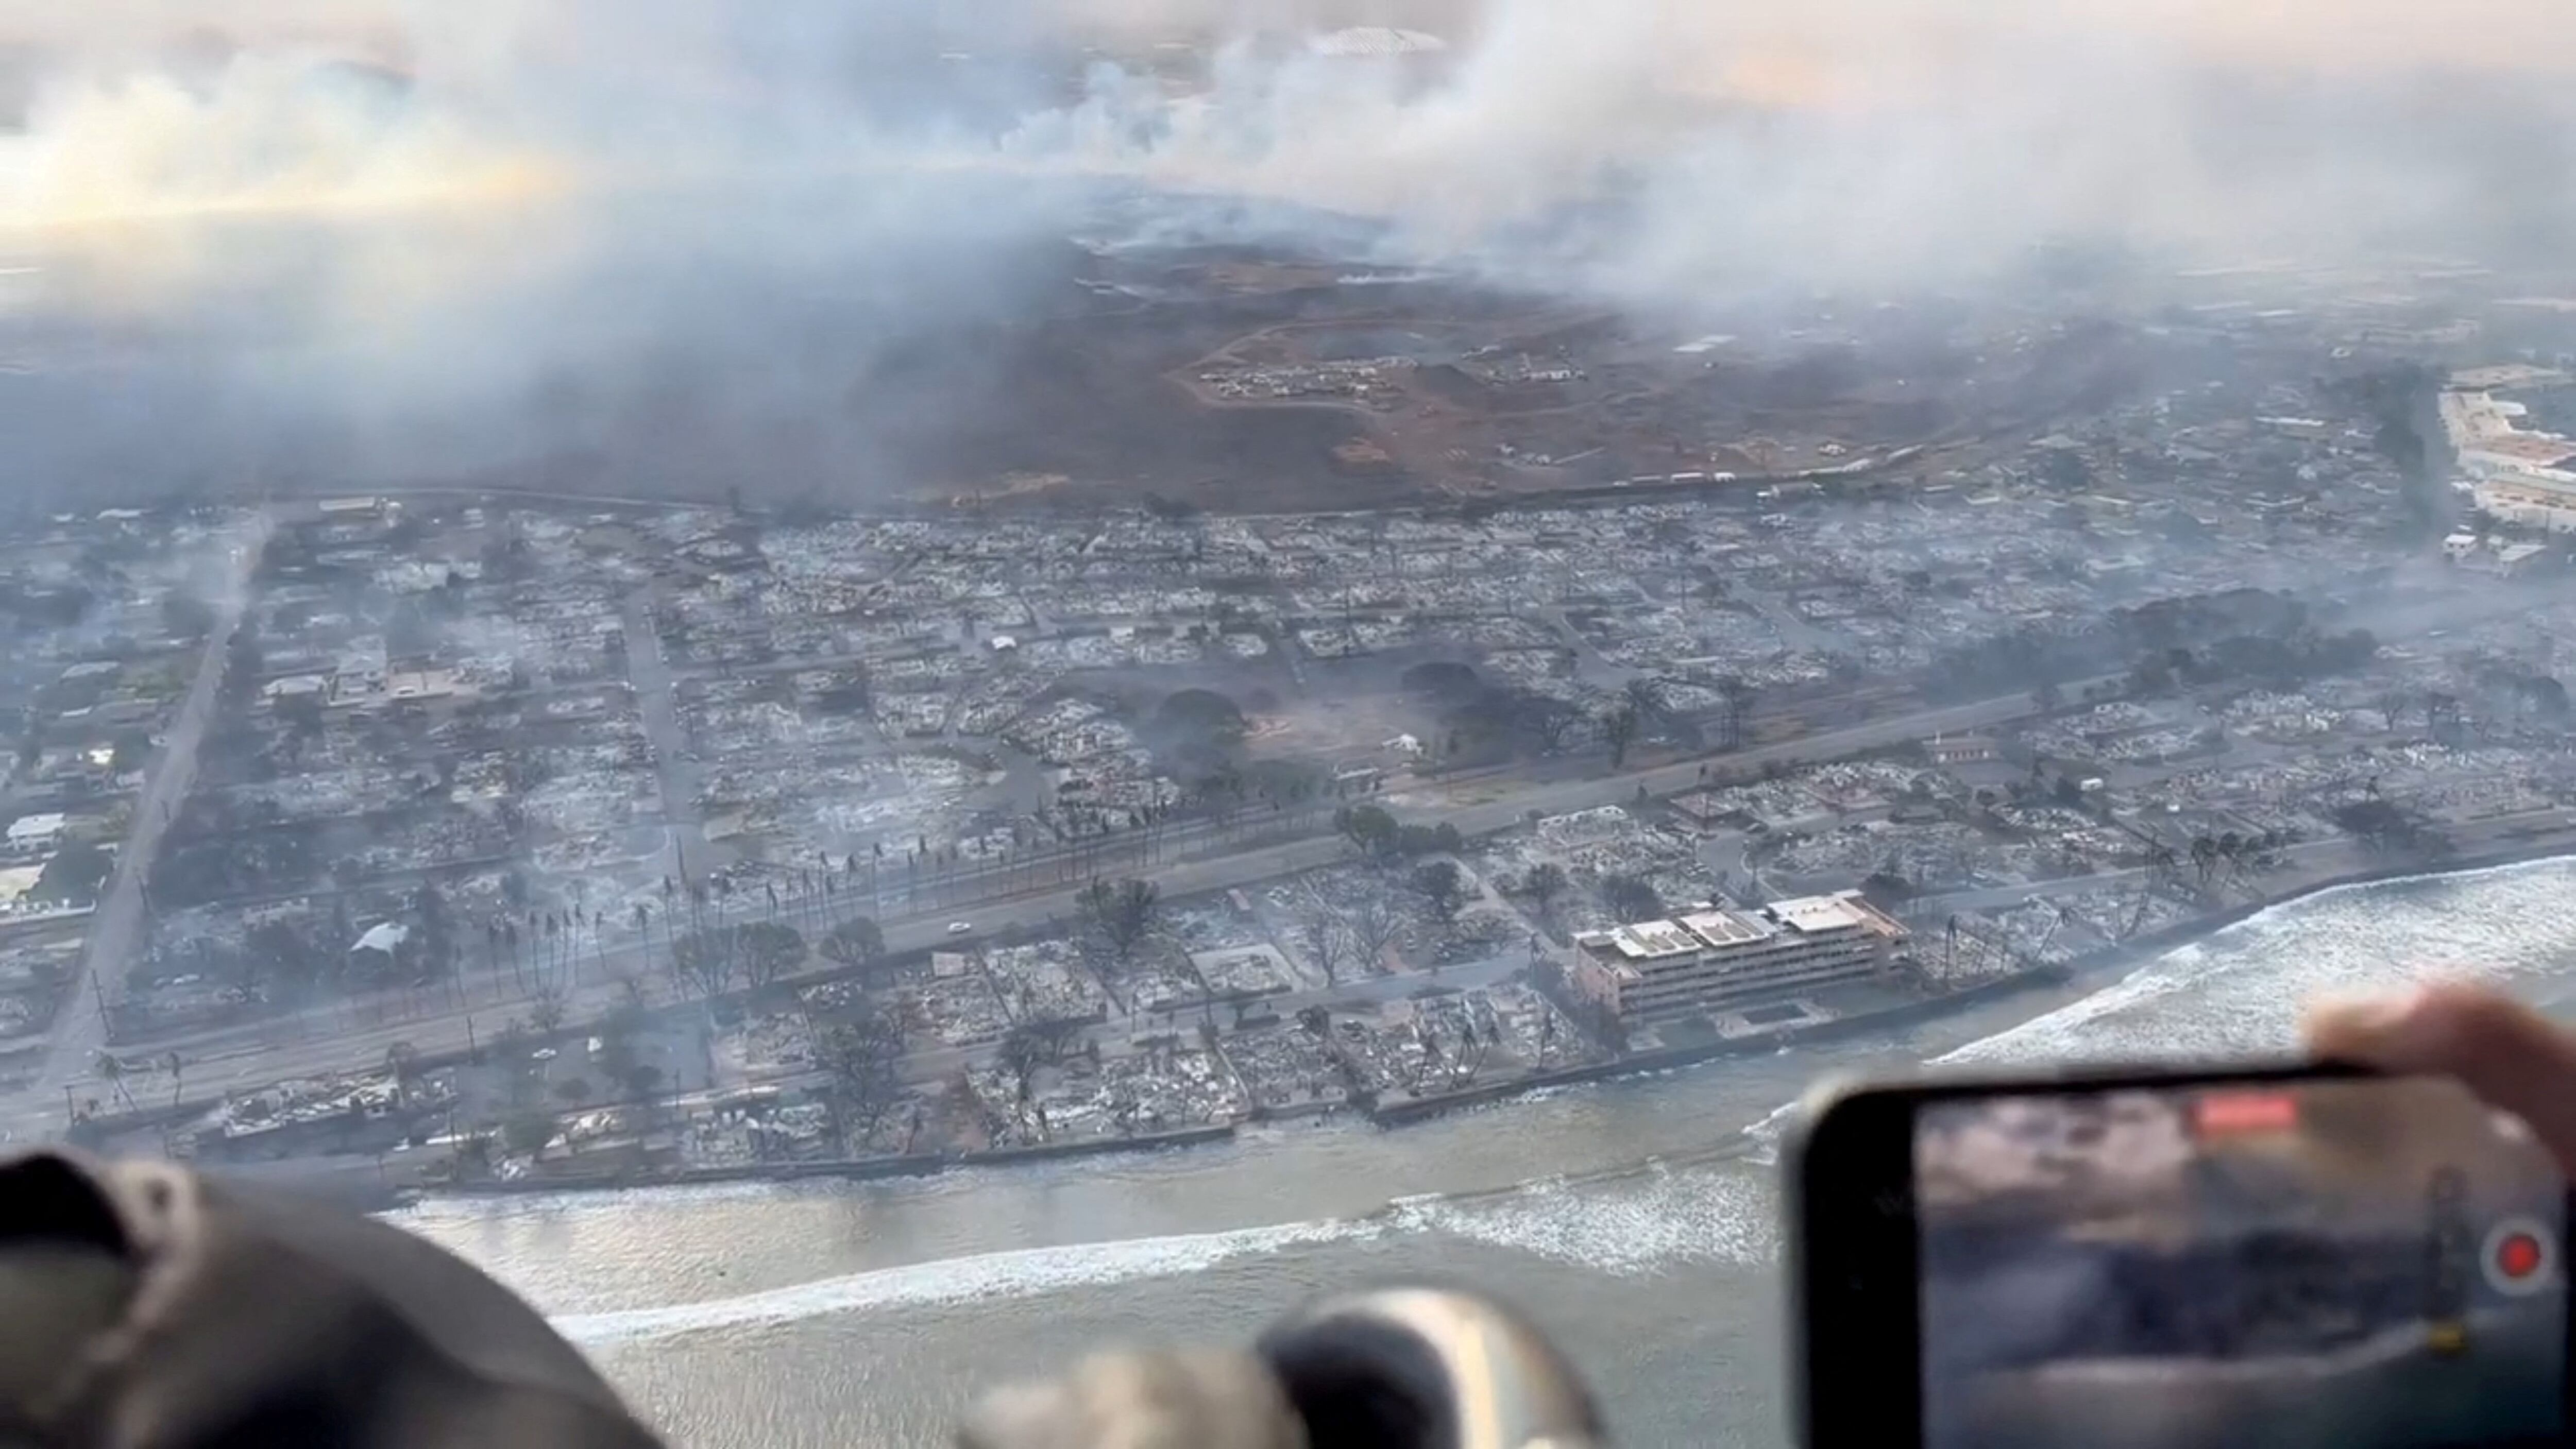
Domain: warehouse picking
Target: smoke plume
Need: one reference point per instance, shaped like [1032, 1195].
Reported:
[660, 245]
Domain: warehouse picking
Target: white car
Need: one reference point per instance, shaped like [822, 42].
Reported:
[960, 928]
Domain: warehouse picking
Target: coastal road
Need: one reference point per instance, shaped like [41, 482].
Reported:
[228, 1061]
[116, 928]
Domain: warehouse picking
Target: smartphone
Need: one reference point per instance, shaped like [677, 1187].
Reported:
[2291, 1257]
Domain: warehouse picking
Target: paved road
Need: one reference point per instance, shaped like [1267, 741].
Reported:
[650, 672]
[229, 1061]
[116, 929]
[1478, 817]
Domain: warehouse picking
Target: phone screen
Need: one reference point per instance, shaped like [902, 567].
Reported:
[2328, 1262]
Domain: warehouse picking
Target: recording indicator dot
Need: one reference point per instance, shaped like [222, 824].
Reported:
[2520, 1257]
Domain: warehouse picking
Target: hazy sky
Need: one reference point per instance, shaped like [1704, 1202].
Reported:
[551, 199]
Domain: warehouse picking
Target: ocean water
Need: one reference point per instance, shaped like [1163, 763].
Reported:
[1637, 1220]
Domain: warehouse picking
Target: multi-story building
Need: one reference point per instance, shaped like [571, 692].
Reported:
[1718, 959]
[2531, 500]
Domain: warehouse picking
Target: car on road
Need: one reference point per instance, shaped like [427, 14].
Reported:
[960, 928]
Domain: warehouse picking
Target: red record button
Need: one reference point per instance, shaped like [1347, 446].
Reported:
[2519, 1257]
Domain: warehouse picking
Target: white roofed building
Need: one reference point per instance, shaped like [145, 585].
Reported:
[1717, 958]
[42, 828]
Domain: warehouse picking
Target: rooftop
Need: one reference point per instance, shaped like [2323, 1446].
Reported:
[1650, 939]
[1724, 928]
[1815, 913]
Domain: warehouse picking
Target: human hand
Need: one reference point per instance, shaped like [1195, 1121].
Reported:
[2507, 1053]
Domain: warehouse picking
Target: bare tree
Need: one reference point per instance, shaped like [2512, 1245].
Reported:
[702, 963]
[864, 1058]
[1374, 925]
[1619, 730]
[1021, 1053]
[1324, 939]
[1737, 697]
[767, 952]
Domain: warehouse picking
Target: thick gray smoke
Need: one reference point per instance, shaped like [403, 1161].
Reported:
[647, 245]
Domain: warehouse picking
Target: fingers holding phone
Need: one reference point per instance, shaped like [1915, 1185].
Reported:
[2507, 1053]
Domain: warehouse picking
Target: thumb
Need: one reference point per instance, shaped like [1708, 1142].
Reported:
[2508, 1054]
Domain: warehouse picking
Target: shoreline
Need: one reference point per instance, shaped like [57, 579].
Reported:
[2084, 971]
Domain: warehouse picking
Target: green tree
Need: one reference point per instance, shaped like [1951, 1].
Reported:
[1438, 884]
[1631, 899]
[1203, 717]
[1123, 912]
[1369, 829]
[854, 942]
[1545, 882]
[526, 1134]
[1443, 682]
[1414, 840]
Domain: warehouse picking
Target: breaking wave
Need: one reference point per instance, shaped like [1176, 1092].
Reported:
[1667, 1214]
[1017, 1273]
[2240, 991]
[1625, 1220]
